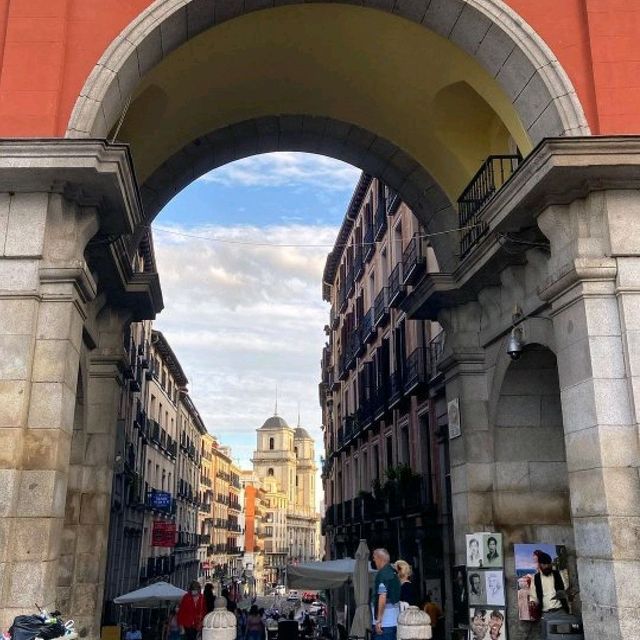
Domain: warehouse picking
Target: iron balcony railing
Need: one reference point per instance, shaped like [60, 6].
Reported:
[396, 388]
[396, 288]
[415, 371]
[494, 172]
[436, 349]
[351, 282]
[392, 201]
[367, 326]
[342, 295]
[358, 261]
[413, 262]
[380, 221]
[381, 306]
[369, 245]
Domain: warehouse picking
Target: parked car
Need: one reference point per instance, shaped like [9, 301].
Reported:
[316, 608]
[293, 596]
[280, 590]
[309, 596]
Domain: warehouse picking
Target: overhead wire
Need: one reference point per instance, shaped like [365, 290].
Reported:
[298, 245]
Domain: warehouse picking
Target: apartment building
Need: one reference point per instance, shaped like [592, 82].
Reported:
[235, 523]
[221, 463]
[254, 514]
[384, 471]
[206, 517]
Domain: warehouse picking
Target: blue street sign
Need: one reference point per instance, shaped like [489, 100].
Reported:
[161, 500]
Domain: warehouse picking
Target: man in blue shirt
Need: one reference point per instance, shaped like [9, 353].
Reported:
[386, 597]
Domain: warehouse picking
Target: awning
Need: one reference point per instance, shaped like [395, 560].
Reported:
[329, 574]
[157, 594]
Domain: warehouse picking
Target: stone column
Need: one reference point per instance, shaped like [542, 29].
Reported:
[83, 557]
[44, 289]
[471, 454]
[594, 291]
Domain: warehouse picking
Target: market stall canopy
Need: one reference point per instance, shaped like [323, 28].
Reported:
[155, 595]
[330, 574]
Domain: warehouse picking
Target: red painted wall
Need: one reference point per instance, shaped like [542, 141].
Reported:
[48, 47]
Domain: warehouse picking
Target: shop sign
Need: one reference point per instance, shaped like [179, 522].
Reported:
[163, 534]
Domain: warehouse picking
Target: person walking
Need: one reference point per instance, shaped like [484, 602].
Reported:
[191, 611]
[172, 630]
[209, 598]
[407, 591]
[255, 626]
[386, 597]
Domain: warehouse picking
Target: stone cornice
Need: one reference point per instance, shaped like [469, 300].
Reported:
[90, 172]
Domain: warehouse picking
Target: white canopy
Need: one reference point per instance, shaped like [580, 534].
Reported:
[329, 574]
[157, 594]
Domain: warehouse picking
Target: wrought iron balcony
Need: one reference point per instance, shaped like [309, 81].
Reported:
[367, 327]
[342, 296]
[415, 370]
[351, 282]
[494, 172]
[413, 262]
[358, 262]
[369, 245]
[396, 388]
[381, 307]
[396, 288]
[365, 413]
[392, 201]
[380, 221]
[436, 349]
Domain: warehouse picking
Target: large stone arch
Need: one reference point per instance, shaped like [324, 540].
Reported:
[326, 136]
[489, 31]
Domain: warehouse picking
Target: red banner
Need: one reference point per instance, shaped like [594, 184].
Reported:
[163, 534]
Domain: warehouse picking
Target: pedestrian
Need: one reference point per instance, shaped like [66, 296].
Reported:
[172, 629]
[255, 626]
[209, 598]
[191, 611]
[386, 597]
[407, 591]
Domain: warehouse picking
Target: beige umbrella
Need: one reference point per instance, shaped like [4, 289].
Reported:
[362, 617]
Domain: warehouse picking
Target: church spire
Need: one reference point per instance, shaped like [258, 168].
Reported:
[275, 412]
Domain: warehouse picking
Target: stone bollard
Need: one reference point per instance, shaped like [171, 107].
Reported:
[220, 624]
[413, 624]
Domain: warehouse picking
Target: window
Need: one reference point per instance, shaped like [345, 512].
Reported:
[296, 481]
[270, 471]
[271, 444]
[376, 463]
[295, 450]
[389, 444]
[404, 439]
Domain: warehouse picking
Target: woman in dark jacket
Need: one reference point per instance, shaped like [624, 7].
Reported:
[407, 592]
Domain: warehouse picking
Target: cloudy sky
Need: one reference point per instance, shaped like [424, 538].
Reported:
[240, 254]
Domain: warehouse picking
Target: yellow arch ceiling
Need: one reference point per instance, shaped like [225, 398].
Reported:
[365, 67]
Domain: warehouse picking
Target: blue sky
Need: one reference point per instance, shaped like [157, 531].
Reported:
[242, 314]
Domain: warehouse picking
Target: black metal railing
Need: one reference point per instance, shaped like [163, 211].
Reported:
[381, 306]
[350, 280]
[493, 173]
[380, 221]
[415, 372]
[369, 245]
[367, 326]
[342, 295]
[396, 388]
[413, 261]
[436, 349]
[396, 288]
[392, 201]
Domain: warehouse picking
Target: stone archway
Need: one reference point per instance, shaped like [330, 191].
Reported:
[502, 42]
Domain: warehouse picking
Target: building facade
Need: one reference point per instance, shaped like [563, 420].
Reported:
[284, 461]
[254, 517]
[384, 469]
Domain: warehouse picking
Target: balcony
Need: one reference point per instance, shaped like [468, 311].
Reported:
[396, 288]
[342, 296]
[348, 429]
[393, 201]
[380, 222]
[379, 401]
[436, 349]
[495, 171]
[351, 281]
[396, 389]
[369, 245]
[334, 318]
[365, 413]
[358, 262]
[414, 263]
[381, 307]
[367, 327]
[415, 370]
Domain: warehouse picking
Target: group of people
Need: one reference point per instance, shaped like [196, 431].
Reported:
[392, 592]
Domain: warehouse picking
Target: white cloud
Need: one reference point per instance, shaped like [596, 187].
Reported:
[286, 169]
[242, 318]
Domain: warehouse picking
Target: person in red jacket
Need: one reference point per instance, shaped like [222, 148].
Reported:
[192, 611]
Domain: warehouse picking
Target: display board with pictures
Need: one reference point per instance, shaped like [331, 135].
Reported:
[485, 586]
